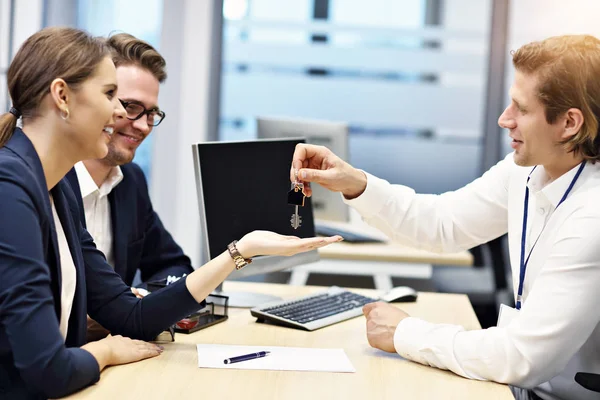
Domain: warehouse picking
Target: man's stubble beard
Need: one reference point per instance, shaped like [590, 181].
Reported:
[115, 157]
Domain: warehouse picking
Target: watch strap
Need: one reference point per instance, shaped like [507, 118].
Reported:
[238, 259]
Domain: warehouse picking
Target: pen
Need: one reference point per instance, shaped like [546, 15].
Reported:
[246, 357]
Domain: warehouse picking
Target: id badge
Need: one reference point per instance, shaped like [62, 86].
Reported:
[506, 315]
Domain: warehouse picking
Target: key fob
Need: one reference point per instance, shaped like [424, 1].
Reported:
[295, 195]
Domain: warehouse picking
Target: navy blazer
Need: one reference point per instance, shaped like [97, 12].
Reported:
[139, 238]
[35, 360]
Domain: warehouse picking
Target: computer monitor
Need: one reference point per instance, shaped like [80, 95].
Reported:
[327, 205]
[242, 187]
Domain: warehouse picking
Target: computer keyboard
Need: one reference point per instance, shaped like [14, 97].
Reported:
[313, 311]
[351, 237]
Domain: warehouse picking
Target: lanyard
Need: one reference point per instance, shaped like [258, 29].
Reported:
[524, 260]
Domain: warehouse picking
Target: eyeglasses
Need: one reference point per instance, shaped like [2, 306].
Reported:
[136, 111]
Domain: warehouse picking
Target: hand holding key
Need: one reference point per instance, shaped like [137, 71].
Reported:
[318, 164]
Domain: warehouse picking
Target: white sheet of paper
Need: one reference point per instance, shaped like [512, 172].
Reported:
[280, 359]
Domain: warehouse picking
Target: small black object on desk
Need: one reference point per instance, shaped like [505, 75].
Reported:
[215, 311]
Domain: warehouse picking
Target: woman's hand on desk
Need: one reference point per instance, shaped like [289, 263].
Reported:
[382, 320]
[265, 243]
[116, 350]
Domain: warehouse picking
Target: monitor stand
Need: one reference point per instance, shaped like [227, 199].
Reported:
[239, 299]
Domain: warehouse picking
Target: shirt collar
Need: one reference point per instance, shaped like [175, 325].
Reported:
[555, 190]
[87, 184]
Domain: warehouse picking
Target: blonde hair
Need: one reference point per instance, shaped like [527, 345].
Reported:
[129, 50]
[568, 69]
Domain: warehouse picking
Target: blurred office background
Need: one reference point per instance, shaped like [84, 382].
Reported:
[420, 82]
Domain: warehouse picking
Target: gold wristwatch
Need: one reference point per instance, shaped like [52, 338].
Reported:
[238, 259]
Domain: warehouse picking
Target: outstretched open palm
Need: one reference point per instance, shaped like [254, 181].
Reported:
[273, 244]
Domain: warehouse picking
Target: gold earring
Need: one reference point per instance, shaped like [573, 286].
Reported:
[65, 116]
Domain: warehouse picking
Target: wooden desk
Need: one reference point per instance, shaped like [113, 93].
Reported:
[175, 373]
[382, 261]
[387, 252]
[392, 253]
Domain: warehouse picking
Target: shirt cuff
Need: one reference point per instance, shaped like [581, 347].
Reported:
[375, 196]
[427, 343]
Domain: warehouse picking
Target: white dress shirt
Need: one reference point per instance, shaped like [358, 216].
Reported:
[97, 207]
[557, 332]
[68, 274]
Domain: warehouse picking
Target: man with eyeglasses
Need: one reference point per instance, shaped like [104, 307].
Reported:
[115, 203]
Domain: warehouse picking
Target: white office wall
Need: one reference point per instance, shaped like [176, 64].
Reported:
[532, 20]
[466, 15]
[378, 13]
[27, 19]
[186, 44]
[61, 13]
[4, 52]
[141, 18]
[4, 33]
[537, 19]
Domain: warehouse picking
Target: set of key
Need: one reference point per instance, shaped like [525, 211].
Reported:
[296, 198]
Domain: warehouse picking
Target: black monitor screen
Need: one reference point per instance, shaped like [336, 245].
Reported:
[245, 187]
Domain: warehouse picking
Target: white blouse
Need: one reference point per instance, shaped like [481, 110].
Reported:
[68, 274]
